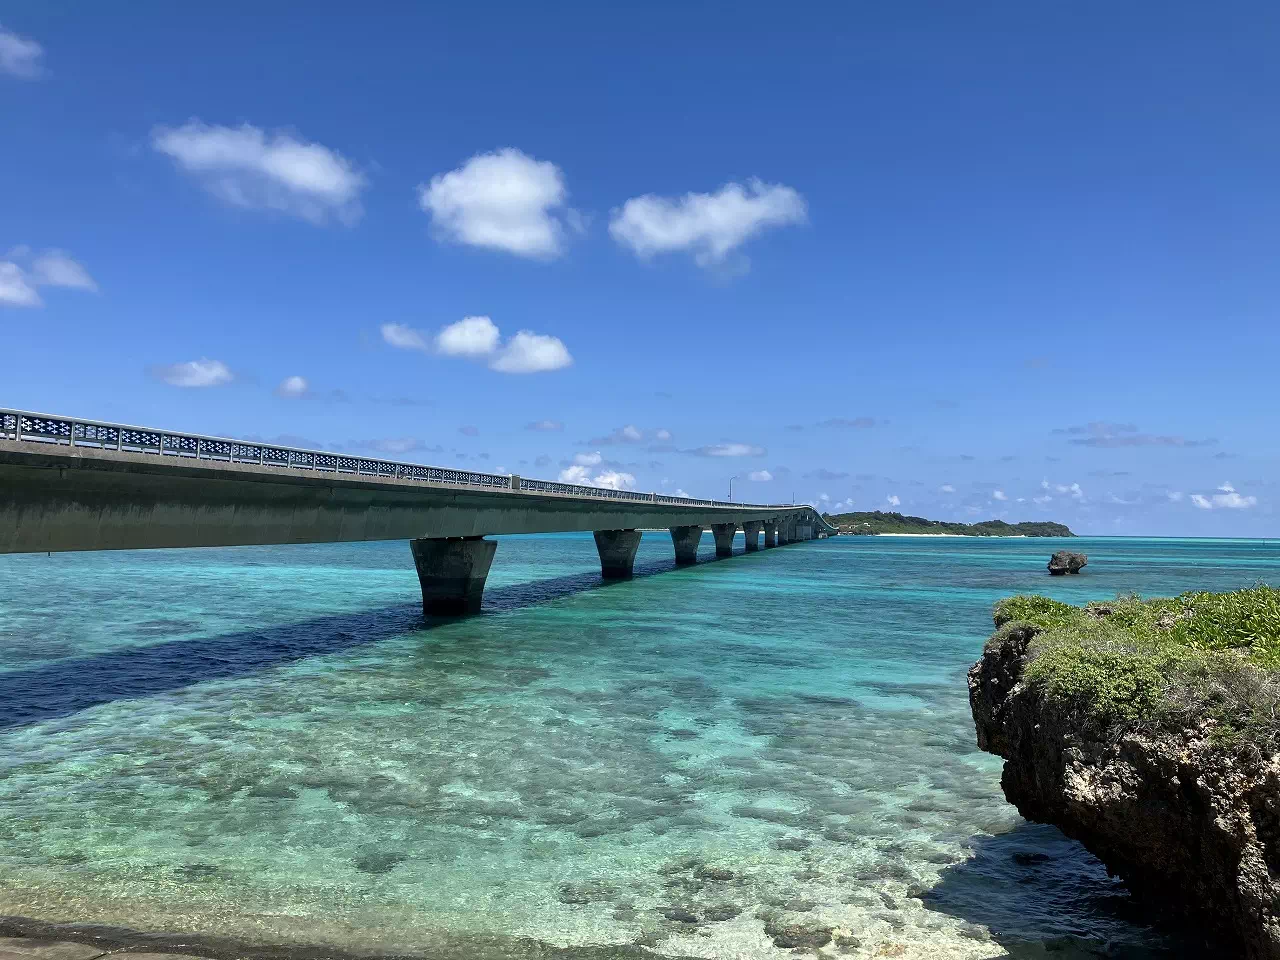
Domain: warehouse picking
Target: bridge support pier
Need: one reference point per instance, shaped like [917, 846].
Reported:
[685, 540]
[770, 533]
[724, 532]
[617, 549]
[751, 531]
[452, 572]
[786, 532]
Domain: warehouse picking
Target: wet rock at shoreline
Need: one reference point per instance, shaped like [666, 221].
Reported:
[1064, 561]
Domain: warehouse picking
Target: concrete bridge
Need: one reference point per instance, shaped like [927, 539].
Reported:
[70, 484]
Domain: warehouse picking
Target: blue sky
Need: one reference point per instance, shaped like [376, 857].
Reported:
[1007, 260]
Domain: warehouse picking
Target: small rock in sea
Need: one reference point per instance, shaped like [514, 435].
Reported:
[797, 936]
[678, 914]
[847, 940]
[1064, 561]
[974, 931]
[916, 892]
[888, 901]
[798, 906]
[713, 873]
[809, 874]
[792, 843]
[725, 911]
[624, 914]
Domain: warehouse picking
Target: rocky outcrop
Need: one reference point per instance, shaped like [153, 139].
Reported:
[1192, 828]
[1064, 561]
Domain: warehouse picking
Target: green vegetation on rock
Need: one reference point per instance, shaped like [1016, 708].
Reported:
[877, 521]
[1162, 664]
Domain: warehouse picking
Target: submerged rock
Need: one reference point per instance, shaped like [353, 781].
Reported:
[678, 914]
[1064, 561]
[724, 911]
[593, 891]
[792, 843]
[719, 874]
[1191, 826]
[797, 936]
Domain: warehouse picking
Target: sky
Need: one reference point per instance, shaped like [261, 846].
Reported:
[1006, 260]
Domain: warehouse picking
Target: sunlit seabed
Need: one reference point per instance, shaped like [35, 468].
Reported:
[270, 744]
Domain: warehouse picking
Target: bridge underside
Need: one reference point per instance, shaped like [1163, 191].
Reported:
[62, 499]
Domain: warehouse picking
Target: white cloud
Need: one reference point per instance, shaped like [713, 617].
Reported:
[946, 488]
[292, 387]
[681, 492]
[1227, 498]
[999, 495]
[1175, 496]
[1044, 499]
[403, 337]
[478, 338]
[615, 480]
[16, 290]
[469, 337]
[709, 225]
[53, 268]
[580, 472]
[662, 435]
[730, 450]
[247, 167]
[545, 426]
[19, 57]
[503, 200]
[760, 476]
[1073, 489]
[529, 352]
[195, 373]
[893, 500]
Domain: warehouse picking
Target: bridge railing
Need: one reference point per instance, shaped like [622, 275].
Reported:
[74, 432]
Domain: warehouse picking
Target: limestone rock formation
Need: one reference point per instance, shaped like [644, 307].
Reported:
[1190, 825]
[1064, 561]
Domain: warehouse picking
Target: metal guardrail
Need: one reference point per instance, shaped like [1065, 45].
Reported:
[74, 432]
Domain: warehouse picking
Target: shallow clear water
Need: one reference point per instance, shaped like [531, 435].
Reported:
[270, 743]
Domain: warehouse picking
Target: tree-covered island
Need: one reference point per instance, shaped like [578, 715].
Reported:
[877, 521]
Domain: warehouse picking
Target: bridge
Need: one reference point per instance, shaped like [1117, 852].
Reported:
[71, 484]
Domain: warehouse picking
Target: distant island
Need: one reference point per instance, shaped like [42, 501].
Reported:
[877, 521]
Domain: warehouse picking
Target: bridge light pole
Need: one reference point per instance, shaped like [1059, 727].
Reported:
[731, 479]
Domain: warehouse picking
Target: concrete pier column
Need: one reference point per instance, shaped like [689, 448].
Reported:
[770, 533]
[452, 573]
[751, 530]
[617, 550]
[785, 533]
[685, 540]
[724, 532]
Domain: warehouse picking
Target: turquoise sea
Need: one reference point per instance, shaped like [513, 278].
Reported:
[270, 744]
